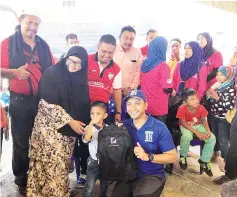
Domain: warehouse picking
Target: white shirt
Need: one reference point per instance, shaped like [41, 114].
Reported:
[93, 144]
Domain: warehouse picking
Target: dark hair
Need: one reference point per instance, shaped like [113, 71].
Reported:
[151, 31]
[177, 40]
[100, 104]
[127, 28]
[71, 36]
[187, 92]
[108, 38]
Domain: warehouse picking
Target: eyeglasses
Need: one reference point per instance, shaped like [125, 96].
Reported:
[70, 61]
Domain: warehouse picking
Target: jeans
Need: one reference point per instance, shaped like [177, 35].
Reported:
[22, 112]
[231, 157]
[146, 186]
[186, 138]
[221, 129]
[93, 173]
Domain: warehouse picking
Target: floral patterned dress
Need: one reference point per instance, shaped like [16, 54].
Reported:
[50, 153]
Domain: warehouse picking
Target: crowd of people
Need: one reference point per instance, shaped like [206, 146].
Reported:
[58, 107]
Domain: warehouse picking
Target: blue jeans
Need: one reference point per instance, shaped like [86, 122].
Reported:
[92, 174]
[221, 129]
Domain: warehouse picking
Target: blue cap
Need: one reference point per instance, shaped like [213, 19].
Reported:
[136, 94]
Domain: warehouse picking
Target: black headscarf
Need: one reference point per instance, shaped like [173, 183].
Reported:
[68, 89]
[208, 50]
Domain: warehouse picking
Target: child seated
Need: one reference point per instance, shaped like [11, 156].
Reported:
[98, 115]
[193, 121]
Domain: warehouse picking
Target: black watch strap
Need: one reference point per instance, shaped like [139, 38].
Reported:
[150, 157]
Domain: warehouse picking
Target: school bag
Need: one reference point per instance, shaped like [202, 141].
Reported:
[115, 154]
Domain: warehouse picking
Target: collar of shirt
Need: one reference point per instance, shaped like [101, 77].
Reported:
[121, 48]
[149, 124]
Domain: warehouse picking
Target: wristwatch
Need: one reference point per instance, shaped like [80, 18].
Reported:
[117, 112]
[150, 157]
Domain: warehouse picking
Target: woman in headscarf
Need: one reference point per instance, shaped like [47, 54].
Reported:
[188, 73]
[155, 79]
[213, 60]
[63, 111]
[223, 99]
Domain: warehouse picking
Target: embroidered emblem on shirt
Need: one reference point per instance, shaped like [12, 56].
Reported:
[149, 136]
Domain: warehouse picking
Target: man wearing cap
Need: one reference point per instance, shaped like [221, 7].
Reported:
[153, 147]
[24, 57]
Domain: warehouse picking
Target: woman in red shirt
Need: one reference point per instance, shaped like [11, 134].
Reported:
[213, 60]
[155, 79]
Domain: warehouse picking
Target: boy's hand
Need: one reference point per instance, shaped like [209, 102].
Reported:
[201, 136]
[208, 134]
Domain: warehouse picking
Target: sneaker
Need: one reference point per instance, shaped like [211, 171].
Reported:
[206, 167]
[183, 163]
[81, 181]
[221, 179]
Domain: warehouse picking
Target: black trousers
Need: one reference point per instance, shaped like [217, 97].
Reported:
[231, 157]
[146, 186]
[22, 112]
[81, 152]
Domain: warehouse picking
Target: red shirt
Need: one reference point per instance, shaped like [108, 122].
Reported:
[153, 83]
[144, 51]
[196, 82]
[100, 84]
[191, 118]
[22, 86]
[214, 61]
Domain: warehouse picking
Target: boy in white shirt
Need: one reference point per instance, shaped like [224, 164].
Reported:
[98, 115]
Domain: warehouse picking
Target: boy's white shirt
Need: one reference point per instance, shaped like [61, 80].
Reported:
[93, 143]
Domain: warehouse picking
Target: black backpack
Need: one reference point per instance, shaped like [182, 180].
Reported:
[115, 154]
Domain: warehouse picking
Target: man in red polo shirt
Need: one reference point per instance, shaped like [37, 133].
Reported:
[151, 34]
[24, 57]
[104, 74]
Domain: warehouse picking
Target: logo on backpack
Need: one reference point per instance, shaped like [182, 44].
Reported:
[113, 140]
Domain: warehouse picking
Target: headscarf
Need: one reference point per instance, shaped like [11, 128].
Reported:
[229, 73]
[68, 89]
[156, 54]
[190, 66]
[208, 50]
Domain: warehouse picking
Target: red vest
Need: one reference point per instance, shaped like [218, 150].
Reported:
[100, 85]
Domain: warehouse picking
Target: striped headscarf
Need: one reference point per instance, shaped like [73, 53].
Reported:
[229, 73]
